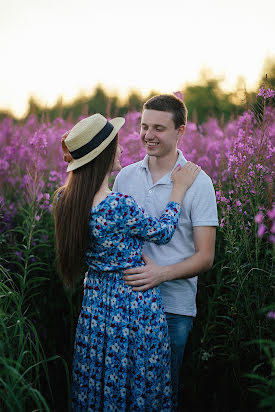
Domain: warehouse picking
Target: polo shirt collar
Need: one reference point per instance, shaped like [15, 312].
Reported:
[181, 160]
[145, 163]
[167, 178]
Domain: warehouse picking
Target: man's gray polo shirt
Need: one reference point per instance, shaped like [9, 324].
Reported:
[199, 209]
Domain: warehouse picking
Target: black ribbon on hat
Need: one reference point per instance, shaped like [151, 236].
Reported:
[95, 142]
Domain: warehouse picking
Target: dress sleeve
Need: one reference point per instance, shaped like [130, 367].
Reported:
[151, 229]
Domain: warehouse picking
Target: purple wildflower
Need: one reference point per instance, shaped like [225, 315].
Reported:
[261, 230]
[271, 315]
[261, 92]
[179, 95]
[271, 213]
[3, 165]
[269, 94]
[223, 199]
[44, 238]
[259, 217]
[266, 94]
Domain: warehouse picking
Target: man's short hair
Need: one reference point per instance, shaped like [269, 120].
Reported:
[168, 103]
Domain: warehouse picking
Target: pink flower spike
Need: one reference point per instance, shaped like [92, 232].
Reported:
[270, 94]
[179, 95]
[37, 218]
[261, 92]
[271, 213]
[271, 315]
[259, 217]
[261, 230]
[223, 199]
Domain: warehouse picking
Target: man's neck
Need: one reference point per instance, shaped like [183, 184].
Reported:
[160, 166]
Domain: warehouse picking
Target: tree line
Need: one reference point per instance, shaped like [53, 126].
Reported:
[204, 99]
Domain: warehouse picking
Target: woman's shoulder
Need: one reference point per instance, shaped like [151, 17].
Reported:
[119, 198]
[121, 202]
[115, 207]
[113, 201]
[122, 206]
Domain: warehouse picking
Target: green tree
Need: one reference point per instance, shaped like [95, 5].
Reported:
[267, 76]
[207, 99]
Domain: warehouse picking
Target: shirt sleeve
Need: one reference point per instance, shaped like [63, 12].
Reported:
[151, 229]
[204, 206]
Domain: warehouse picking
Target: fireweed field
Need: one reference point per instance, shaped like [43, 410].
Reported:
[229, 361]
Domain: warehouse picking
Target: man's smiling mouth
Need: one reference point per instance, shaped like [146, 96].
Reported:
[151, 143]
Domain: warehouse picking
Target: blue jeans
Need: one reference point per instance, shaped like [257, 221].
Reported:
[179, 327]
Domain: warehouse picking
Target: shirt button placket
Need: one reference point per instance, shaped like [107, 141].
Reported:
[149, 198]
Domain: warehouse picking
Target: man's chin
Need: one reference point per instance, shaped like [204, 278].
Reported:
[151, 154]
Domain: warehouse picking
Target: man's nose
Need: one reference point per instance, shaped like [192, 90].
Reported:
[149, 133]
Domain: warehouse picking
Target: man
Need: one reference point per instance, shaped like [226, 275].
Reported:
[173, 267]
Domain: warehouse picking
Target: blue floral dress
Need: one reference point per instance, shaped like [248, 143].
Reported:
[122, 353]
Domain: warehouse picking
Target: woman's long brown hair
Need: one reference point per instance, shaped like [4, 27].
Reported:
[71, 213]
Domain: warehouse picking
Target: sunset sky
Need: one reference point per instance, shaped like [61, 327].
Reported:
[51, 48]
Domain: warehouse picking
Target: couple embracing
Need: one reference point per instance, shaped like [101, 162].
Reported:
[144, 244]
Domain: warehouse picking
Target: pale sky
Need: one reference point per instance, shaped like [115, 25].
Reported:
[51, 48]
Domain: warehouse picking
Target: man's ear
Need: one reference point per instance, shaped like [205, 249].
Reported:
[181, 130]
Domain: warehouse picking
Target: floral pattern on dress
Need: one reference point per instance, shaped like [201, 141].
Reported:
[122, 353]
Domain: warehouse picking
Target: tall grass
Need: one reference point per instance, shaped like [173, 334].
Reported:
[234, 296]
[22, 358]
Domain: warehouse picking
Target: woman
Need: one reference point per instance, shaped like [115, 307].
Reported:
[121, 354]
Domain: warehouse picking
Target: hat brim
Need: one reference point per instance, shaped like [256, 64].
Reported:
[117, 122]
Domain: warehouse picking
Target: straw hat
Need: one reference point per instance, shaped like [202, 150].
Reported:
[89, 137]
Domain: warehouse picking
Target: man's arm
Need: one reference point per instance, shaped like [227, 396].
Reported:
[152, 274]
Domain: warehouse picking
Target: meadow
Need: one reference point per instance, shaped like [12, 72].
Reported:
[229, 362]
